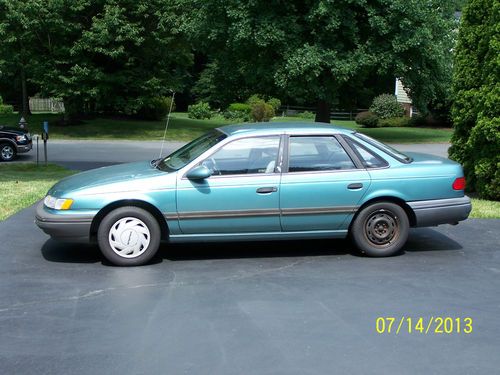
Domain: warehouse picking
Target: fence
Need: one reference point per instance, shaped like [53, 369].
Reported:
[46, 105]
[338, 114]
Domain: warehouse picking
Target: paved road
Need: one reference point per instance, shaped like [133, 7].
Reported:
[252, 308]
[84, 155]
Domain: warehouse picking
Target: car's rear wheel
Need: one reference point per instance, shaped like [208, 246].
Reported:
[129, 236]
[381, 229]
[7, 152]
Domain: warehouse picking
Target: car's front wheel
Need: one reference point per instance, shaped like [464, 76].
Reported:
[129, 236]
[7, 152]
[381, 229]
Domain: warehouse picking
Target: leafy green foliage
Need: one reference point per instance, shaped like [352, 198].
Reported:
[394, 122]
[275, 103]
[386, 106]
[476, 90]
[316, 50]
[156, 108]
[367, 119]
[200, 111]
[240, 107]
[5, 109]
[419, 120]
[306, 115]
[262, 111]
[238, 111]
[97, 55]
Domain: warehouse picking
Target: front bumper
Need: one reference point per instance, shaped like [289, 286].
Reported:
[24, 148]
[441, 211]
[68, 228]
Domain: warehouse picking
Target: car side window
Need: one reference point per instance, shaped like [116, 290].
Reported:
[368, 158]
[245, 156]
[318, 153]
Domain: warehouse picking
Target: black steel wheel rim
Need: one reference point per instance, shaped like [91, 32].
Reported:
[381, 227]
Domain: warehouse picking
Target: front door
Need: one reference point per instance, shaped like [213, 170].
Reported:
[322, 187]
[242, 194]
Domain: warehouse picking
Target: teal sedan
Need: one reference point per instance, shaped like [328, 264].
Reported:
[258, 182]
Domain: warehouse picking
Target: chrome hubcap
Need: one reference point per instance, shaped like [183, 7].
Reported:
[129, 237]
[7, 152]
[381, 227]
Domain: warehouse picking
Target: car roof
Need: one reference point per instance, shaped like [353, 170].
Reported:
[283, 128]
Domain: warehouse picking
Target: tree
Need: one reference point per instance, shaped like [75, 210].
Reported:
[315, 50]
[476, 92]
[16, 42]
[97, 55]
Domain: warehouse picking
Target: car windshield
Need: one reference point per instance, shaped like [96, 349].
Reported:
[178, 159]
[387, 149]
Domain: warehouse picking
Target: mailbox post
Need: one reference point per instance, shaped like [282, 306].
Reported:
[45, 138]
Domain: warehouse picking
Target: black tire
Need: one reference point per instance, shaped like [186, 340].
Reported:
[7, 152]
[139, 236]
[380, 229]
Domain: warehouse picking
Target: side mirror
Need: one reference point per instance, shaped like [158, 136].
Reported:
[199, 173]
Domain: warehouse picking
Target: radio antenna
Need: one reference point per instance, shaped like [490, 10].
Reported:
[166, 125]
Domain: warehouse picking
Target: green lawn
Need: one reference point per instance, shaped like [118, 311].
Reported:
[21, 185]
[182, 128]
[485, 209]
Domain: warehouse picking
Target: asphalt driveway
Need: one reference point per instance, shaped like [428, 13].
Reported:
[248, 308]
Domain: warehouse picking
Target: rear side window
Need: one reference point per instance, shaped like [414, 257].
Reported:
[367, 157]
[321, 153]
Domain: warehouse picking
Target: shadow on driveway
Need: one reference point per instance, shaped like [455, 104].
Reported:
[422, 239]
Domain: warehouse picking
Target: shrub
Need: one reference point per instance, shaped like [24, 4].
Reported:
[475, 109]
[306, 115]
[6, 109]
[237, 112]
[418, 120]
[367, 119]
[262, 111]
[386, 106]
[156, 108]
[239, 107]
[254, 99]
[200, 111]
[275, 103]
[394, 122]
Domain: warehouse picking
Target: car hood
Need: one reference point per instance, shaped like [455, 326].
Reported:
[129, 174]
[8, 129]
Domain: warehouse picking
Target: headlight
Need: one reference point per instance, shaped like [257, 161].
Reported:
[21, 138]
[57, 204]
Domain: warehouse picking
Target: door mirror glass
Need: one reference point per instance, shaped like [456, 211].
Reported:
[199, 173]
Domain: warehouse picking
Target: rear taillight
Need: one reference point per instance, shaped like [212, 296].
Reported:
[459, 183]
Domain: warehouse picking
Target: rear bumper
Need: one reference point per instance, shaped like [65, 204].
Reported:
[68, 228]
[441, 211]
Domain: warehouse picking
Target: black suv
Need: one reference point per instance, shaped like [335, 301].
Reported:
[12, 142]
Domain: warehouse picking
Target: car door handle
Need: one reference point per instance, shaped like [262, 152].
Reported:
[267, 190]
[355, 186]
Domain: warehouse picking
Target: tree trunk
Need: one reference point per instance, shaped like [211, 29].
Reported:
[25, 109]
[322, 111]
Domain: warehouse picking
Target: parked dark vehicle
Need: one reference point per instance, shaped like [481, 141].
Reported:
[12, 142]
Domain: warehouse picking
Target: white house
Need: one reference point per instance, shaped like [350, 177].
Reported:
[403, 97]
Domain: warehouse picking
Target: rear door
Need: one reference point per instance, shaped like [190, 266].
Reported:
[322, 184]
